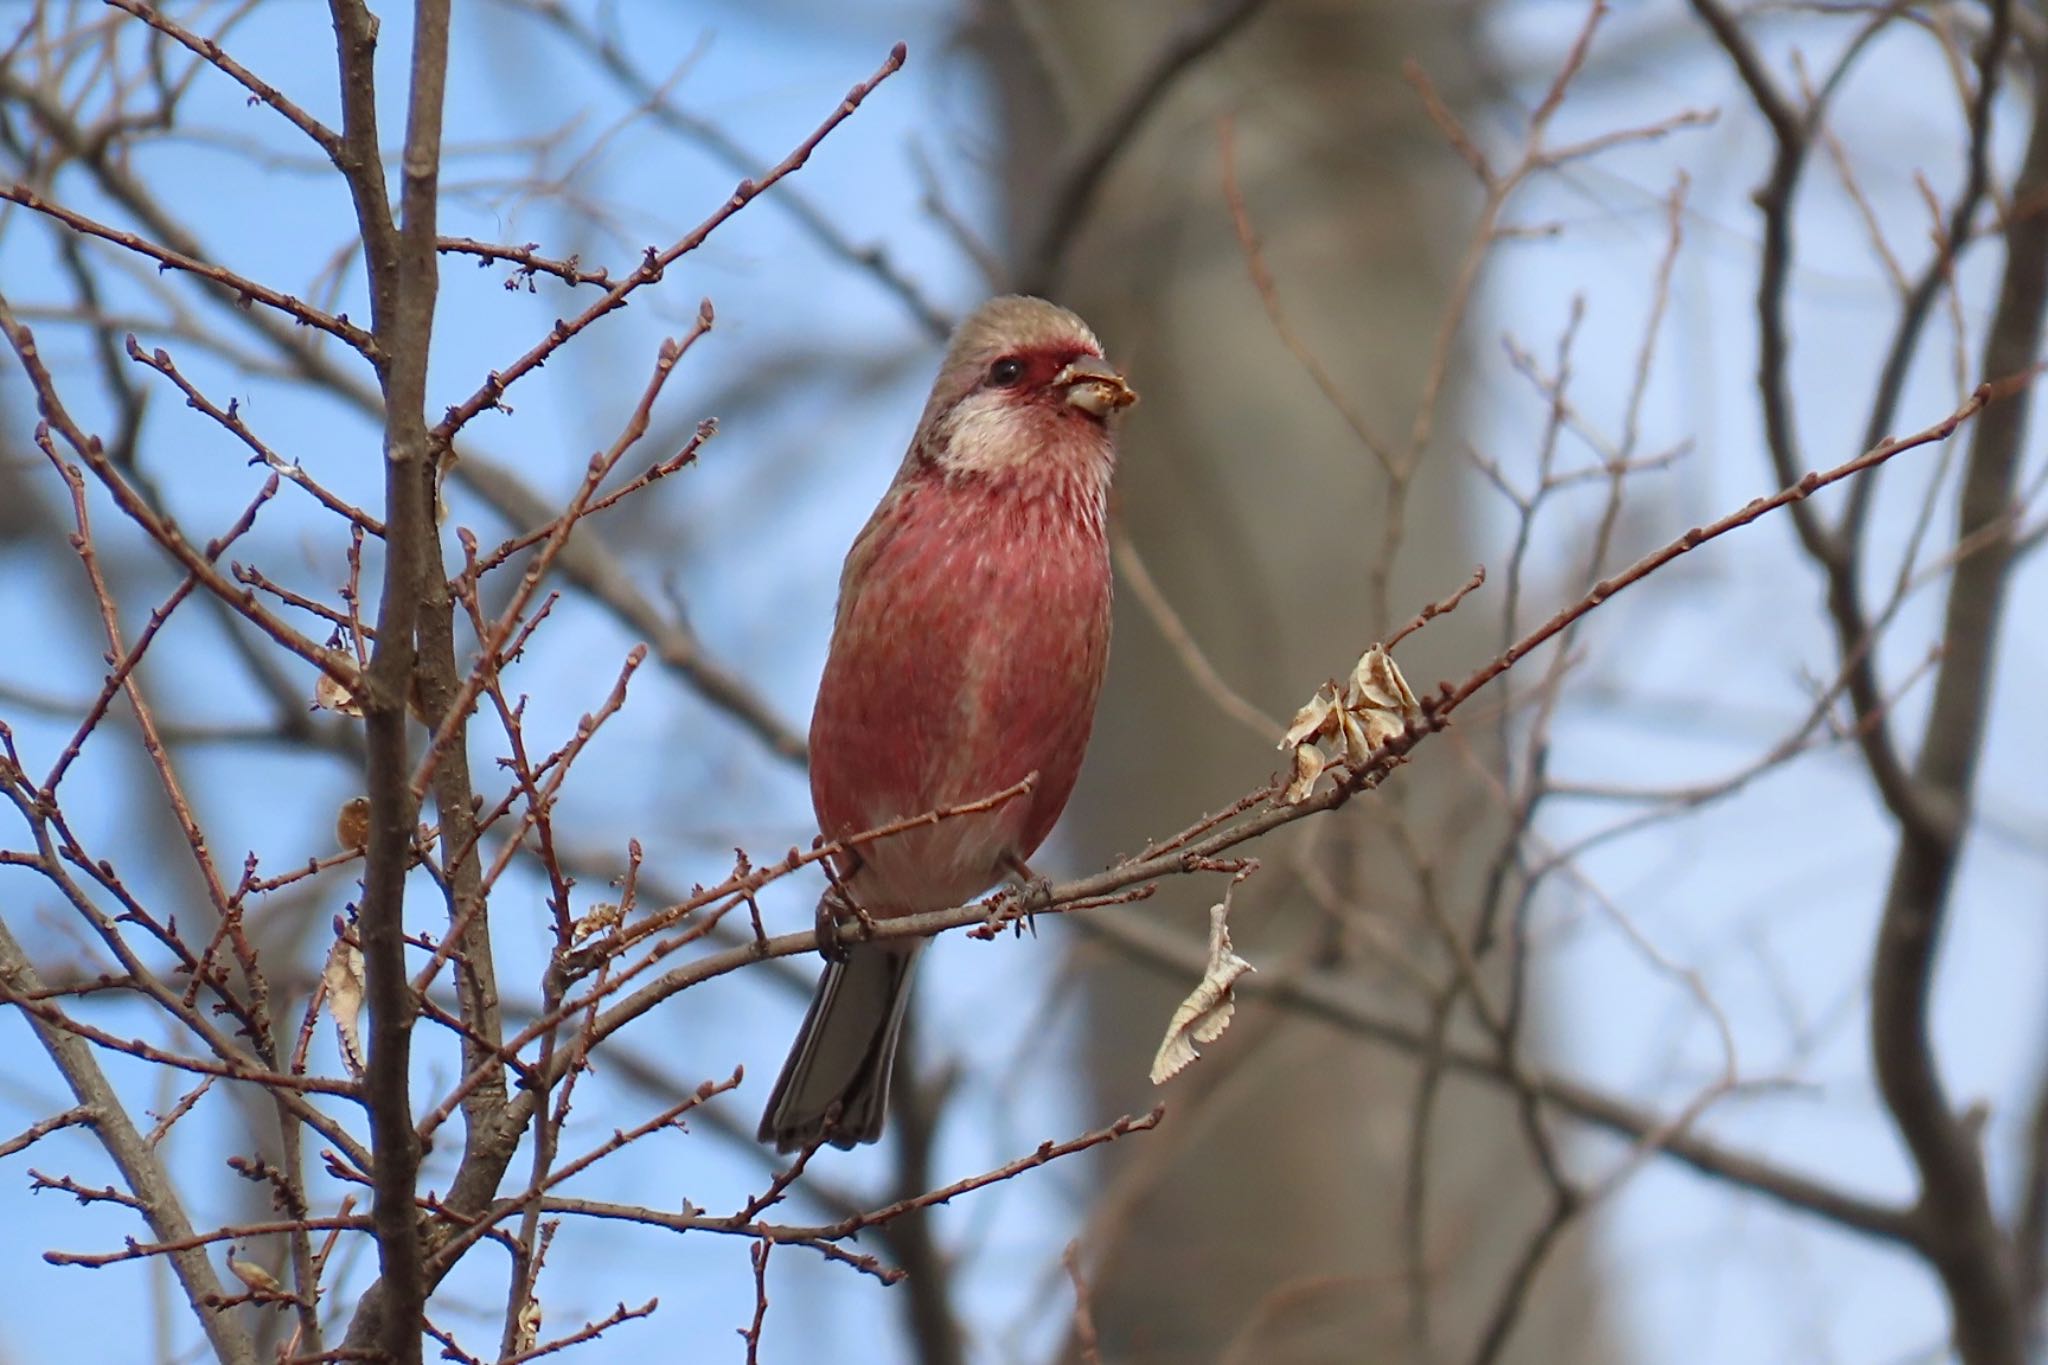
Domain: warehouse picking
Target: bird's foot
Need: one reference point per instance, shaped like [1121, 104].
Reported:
[1019, 905]
[835, 908]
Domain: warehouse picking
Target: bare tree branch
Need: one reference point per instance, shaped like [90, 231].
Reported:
[1081, 169]
[156, 1197]
[400, 256]
[1960, 1232]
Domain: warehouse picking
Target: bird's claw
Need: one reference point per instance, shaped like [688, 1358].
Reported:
[833, 908]
[1032, 897]
[1018, 905]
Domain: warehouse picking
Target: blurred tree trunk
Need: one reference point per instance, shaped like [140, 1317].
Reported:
[1268, 1219]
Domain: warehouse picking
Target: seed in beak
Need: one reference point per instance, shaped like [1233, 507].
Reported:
[1093, 385]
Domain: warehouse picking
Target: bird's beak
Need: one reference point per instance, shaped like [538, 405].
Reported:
[1093, 385]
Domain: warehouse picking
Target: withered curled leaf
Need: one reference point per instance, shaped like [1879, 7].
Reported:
[1308, 766]
[343, 978]
[1378, 697]
[1377, 684]
[1312, 720]
[253, 1275]
[600, 918]
[527, 1332]
[1206, 1012]
[329, 695]
[1373, 707]
[1358, 741]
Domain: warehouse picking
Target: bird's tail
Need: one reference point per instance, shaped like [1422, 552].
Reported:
[835, 1084]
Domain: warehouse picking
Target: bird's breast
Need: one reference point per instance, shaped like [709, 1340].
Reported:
[972, 636]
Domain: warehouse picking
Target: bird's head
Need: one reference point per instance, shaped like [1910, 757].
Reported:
[1023, 383]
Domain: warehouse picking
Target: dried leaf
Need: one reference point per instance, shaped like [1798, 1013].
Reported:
[1312, 719]
[1379, 727]
[1308, 766]
[528, 1333]
[1379, 699]
[253, 1275]
[329, 695]
[1374, 706]
[1206, 1012]
[1357, 741]
[598, 919]
[1377, 683]
[343, 977]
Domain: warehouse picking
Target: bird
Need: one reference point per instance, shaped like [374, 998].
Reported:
[967, 653]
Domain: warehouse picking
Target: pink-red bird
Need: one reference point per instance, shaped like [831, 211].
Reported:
[972, 632]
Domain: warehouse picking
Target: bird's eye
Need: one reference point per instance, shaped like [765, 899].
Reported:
[1006, 371]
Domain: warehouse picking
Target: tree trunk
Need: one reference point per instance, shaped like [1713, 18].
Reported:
[1266, 1222]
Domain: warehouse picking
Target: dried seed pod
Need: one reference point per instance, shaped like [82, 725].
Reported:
[352, 824]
